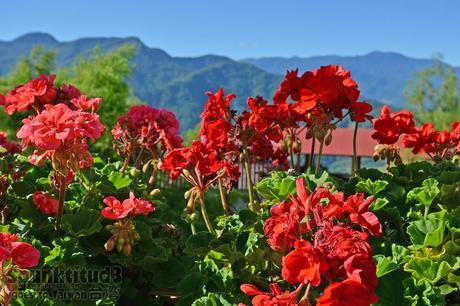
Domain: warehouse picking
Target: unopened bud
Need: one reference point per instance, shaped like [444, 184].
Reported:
[127, 249]
[328, 140]
[146, 166]
[155, 192]
[110, 244]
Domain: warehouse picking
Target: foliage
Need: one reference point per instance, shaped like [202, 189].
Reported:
[434, 95]
[295, 239]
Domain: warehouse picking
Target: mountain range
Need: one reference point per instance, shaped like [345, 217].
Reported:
[179, 83]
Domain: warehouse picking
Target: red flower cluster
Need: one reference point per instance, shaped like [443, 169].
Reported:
[21, 254]
[324, 92]
[61, 134]
[276, 296]
[217, 133]
[63, 121]
[15, 258]
[32, 95]
[10, 146]
[326, 238]
[123, 231]
[147, 128]
[438, 145]
[45, 203]
[116, 210]
[390, 126]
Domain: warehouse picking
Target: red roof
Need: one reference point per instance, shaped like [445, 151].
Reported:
[342, 143]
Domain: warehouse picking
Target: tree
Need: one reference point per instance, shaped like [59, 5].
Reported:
[434, 95]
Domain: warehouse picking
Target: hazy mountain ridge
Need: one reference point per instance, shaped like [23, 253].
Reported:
[179, 83]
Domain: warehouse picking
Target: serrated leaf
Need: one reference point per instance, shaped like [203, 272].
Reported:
[427, 269]
[84, 223]
[120, 180]
[371, 187]
[385, 265]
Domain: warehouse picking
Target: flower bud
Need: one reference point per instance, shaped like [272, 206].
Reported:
[127, 249]
[328, 140]
[110, 244]
[155, 192]
[146, 166]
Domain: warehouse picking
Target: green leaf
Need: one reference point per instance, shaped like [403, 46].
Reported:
[421, 292]
[425, 194]
[385, 265]
[192, 283]
[378, 204]
[84, 223]
[427, 269]
[371, 187]
[22, 189]
[287, 186]
[198, 244]
[212, 299]
[120, 180]
[426, 232]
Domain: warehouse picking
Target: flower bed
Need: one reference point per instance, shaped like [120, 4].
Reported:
[98, 224]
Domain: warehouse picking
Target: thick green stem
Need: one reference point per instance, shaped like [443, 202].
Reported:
[247, 167]
[62, 190]
[312, 153]
[205, 214]
[192, 227]
[320, 153]
[223, 200]
[355, 153]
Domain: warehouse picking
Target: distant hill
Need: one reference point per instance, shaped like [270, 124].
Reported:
[179, 83]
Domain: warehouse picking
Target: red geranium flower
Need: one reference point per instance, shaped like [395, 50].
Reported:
[389, 126]
[34, 94]
[438, 145]
[284, 226]
[61, 134]
[350, 292]
[116, 210]
[362, 268]
[358, 209]
[10, 146]
[305, 264]
[276, 296]
[24, 255]
[46, 203]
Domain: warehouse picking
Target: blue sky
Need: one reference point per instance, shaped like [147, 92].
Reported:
[250, 28]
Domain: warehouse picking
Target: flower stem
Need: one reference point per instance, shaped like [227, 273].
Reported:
[223, 200]
[355, 153]
[312, 153]
[62, 190]
[320, 153]
[192, 227]
[205, 214]
[125, 163]
[247, 167]
[139, 158]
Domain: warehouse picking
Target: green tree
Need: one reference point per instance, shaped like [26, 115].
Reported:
[104, 75]
[434, 95]
[190, 135]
